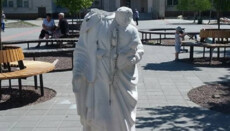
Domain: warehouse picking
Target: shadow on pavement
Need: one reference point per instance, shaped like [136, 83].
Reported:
[29, 96]
[178, 118]
[171, 66]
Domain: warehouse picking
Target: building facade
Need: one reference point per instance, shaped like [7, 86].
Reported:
[157, 8]
[29, 9]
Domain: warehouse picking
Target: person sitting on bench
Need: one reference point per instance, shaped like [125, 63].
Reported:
[62, 30]
[48, 28]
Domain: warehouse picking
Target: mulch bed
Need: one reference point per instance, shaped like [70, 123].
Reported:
[215, 97]
[204, 62]
[30, 96]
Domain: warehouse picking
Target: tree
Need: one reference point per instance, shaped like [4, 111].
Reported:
[75, 6]
[221, 6]
[197, 6]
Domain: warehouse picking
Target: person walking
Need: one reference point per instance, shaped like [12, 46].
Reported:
[136, 16]
[3, 21]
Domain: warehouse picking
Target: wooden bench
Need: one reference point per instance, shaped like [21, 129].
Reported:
[13, 56]
[211, 48]
[36, 41]
[217, 36]
[163, 33]
[74, 28]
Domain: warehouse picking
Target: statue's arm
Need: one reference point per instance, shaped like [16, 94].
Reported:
[138, 47]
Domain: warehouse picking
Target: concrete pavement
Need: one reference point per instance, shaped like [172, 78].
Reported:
[163, 102]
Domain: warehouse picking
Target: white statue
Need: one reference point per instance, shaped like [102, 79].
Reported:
[105, 74]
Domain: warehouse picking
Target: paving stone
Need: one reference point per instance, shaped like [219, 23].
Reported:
[163, 102]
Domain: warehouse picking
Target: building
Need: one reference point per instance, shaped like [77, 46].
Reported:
[156, 8]
[29, 9]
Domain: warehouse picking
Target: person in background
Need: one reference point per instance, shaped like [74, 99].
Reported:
[62, 30]
[3, 21]
[136, 16]
[48, 27]
[178, 35]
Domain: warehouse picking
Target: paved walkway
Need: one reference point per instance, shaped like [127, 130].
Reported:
[163, 102]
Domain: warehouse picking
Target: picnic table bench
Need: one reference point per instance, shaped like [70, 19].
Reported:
[162, 33]
[36, 41]
[211, 48]
[13, 56]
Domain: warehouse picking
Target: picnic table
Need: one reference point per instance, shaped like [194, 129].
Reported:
[12, 56]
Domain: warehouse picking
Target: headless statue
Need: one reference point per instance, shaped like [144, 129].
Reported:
[105, 74]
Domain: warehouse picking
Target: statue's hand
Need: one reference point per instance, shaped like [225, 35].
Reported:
[133, 60]
[123, 62]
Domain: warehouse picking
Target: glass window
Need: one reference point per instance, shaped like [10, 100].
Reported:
[11, 4]
[26, 4]
[5, 3]
[19, 3]
[169, 2]
[175, 2]
[172, 2]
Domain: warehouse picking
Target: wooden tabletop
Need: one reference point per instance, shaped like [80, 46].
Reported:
[32, 68]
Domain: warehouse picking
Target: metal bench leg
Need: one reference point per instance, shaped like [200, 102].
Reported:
[0, 89]
[218, 53]
[191, 52]
[9, 69]
[160, 38]
[20, 87]
[204, 52]
[10, 85]
[210, 56]
[41, 85]
[36, 82]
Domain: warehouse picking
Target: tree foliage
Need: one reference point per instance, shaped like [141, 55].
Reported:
[194, 5]
[74, 6]
[221, 5]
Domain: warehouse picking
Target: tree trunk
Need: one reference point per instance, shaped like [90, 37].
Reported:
[218, 19]
[194, 17]
[210, 16]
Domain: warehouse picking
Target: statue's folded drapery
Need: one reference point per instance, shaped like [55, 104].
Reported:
[105, 74]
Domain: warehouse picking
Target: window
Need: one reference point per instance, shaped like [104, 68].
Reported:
[19, 3]
[11, 4]
[175, 2]
[172, 2]
[26, 4]
[169, 2]
[5, 3]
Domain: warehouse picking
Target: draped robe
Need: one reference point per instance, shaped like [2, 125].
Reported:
[104, 78]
